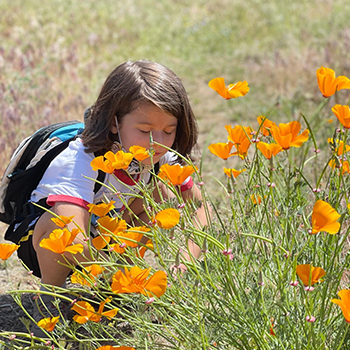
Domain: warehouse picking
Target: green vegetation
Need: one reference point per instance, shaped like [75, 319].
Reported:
[55, 55]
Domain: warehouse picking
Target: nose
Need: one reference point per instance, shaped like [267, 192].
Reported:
[158, 136]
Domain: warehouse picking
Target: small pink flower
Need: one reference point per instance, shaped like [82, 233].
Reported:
[149, 301]
[317, 150]
[30, 272]
[310, 318]
[73, 302]
[227, 252]
[12, 337]
[230, 256]
[287, 254]
[261, 283]
[200, 183]
[257, 186]
[309, 288]
[122, 245]
[309, 231]
[294, 283]
[180, 206]
[48, 343]
[316, 190]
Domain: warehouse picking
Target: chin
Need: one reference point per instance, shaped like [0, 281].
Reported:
[155, 160]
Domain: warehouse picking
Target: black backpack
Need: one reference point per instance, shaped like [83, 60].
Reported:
[28, 164]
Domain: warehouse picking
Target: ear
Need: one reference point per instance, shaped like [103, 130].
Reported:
[114, 129]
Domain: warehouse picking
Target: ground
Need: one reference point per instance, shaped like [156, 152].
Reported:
[13, 276]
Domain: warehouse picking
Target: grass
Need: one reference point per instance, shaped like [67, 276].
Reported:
[54, 57]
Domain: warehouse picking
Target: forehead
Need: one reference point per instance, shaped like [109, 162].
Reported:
[148, 113]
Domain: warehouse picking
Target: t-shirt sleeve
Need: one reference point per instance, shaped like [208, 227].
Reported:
[65, 180]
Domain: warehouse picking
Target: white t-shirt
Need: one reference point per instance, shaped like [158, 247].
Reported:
[69, 178]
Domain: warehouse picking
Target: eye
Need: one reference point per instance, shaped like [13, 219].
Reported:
[169, 132]
[144, 131]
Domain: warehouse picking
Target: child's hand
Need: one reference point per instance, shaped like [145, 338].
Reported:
[179, 268]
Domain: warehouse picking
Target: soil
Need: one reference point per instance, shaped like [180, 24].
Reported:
[14, 277]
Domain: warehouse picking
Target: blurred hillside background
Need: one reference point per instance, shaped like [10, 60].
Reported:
[55, 56]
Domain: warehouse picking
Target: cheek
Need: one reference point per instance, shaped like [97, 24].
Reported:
[137, 139]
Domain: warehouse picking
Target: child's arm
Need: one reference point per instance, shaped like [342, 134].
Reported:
[200, 221]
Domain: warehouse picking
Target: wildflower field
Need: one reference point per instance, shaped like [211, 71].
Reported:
[274, 176]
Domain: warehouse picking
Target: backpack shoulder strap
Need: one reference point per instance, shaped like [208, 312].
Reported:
[100, 177]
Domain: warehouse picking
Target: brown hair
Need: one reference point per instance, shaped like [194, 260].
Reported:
[126, 86]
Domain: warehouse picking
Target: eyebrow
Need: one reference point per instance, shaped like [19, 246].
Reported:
[147, 123]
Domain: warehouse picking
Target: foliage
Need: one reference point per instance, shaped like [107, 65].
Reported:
[274, 256]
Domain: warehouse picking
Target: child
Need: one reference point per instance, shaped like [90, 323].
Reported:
[138, 98]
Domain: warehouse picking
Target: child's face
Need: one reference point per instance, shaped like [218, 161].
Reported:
[136, 126]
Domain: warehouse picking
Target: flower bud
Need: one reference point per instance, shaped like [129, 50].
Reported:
[310, 318]
[149, 301]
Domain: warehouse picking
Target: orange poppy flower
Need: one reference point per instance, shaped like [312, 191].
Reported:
[110, 347]
[176, 174]
[238, 135]
[134, 235]
[60, 241]
[324, 218]
[108, 226]
[343, 165]
[328, 83]
[101, 209]
[344, 303]
[148, 245]
[309, 274]
[265, 125]
[135, 281]
[286, 135]
[340, 146]
[168, 218]
[6, 250]
[124, 239]
[221, 149]
[139, 153]
[48, 323]
[232, 91]
[269, 149]
[233, 172]
[256, 199]
[86, 312]
[343, 115]
[62, 221]
[112, 161]
[91, 271]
